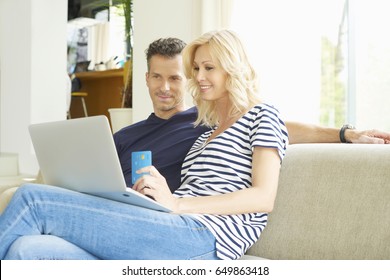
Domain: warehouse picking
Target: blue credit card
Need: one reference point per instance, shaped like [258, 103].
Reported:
[139, 160]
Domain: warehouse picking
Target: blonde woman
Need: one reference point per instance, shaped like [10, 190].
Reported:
[229, 180]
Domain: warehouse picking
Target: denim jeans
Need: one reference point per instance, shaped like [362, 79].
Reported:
[46, 247]
[46, 222]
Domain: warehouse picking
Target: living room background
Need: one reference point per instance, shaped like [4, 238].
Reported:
[31, 72]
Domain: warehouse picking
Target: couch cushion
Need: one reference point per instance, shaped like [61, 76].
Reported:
[333, 202]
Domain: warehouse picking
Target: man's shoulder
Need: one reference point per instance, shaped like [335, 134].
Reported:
[130, 129]
[153, 123]
[191, 112]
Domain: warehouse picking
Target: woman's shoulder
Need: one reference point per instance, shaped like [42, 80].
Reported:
[264, 109]
[265, 106]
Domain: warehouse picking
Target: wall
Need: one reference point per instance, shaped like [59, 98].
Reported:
[168, 18]
[32, 72]
[184, 19]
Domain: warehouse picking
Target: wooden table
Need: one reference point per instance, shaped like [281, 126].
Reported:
[104, 91]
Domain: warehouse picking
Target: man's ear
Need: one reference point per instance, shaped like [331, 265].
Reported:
[146, 77]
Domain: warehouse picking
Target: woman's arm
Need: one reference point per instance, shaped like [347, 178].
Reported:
[259, 198]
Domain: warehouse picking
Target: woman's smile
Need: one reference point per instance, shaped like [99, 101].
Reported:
[205, 88]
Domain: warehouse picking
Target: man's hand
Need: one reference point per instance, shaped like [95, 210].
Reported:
[372, 136]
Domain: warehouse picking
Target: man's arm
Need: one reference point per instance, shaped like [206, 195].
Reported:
[309, 133]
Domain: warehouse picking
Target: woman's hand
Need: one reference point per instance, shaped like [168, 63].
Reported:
[154, 185]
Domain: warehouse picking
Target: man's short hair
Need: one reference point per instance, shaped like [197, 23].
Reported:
[167, 47]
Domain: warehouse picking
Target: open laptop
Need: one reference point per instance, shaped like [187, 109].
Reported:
[80, 155]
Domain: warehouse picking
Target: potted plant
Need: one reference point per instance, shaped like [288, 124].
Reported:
[121, 117]
[127, 98]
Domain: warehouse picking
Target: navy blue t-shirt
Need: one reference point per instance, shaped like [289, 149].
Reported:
[169, 140]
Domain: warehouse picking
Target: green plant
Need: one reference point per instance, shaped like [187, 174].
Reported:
[128, 14]
[127, 8]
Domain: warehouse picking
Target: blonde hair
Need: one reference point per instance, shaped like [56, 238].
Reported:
[226, 49]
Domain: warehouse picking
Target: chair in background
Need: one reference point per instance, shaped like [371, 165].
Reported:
[80, 95]
[75, 93]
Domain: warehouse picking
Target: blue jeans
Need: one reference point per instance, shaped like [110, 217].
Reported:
[45, 222]
[46, 247]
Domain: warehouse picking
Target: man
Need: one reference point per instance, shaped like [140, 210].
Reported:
[169, 133]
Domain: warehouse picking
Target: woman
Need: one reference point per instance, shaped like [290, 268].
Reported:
[229, 180]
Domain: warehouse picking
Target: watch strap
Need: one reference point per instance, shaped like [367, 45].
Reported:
[342, 132]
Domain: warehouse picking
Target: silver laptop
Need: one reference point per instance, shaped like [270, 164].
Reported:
[80, 155]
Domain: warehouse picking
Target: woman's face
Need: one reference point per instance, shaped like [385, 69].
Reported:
[210, 76]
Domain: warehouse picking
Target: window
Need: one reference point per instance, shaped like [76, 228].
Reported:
[371, 62]
[323, 62]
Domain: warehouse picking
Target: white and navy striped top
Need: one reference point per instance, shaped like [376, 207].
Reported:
[224, 165]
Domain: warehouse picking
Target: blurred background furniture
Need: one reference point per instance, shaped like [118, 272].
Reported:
[81, 97]
[104, 91]
[76, 94]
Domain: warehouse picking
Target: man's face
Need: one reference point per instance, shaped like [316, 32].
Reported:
[166, 83]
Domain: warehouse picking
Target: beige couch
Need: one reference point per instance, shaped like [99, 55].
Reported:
[333, 202]
[8, 189]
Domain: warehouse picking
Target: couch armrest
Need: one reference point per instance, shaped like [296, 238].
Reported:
[10, 185]
[5, 197]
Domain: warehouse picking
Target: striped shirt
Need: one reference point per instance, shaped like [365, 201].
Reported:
[224, 165]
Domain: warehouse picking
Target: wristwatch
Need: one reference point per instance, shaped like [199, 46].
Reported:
[342, 132]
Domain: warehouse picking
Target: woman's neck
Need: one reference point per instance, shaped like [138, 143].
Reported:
[223, 111]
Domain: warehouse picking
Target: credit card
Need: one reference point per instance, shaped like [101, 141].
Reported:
[139, 160]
